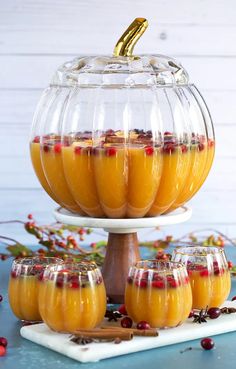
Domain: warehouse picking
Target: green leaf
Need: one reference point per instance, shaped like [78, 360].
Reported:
[17, 250]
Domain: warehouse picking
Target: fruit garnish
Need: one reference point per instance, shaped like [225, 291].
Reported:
[36, 139]
[142, 283]
[122, 309]
[201, 146]
[169, 148]
[126, 322]
[57, 148]
[158, 284]
[207, 343]
[214, 312]
[77, 150]
[143, 325]
[184, 148]
[2, 351]
[204, 273]
[149, 150]
[233, 298]
[110, 151]
[46, 148]
[230, 264]
[3, 341]
[130, 280]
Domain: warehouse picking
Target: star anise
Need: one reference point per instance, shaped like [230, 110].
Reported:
[81, 340]
[200, 317]
[113, 315]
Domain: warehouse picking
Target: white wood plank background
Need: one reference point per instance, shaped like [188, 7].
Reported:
[36, 36]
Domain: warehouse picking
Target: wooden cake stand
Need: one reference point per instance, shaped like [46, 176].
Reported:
[122, 247]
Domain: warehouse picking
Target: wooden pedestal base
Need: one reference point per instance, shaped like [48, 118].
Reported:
[122, 252]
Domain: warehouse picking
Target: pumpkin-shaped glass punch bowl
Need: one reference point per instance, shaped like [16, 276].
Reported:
[120, 142]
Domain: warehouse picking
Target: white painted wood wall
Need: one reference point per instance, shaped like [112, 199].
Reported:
[36, 36]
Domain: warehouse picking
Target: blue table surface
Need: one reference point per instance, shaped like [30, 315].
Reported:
[23, 354]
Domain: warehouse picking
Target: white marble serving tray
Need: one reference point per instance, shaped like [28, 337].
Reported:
[42, 335]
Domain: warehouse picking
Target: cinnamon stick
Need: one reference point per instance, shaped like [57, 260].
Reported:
[152, 332]
[104, 334]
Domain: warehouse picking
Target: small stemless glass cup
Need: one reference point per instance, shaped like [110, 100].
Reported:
[208, 273]
[24, 281]
[158, 292]
[72, 296]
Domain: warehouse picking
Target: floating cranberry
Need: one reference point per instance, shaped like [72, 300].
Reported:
[1, 298]
[143, 325]
[122, 309]
[77, 150]
[3, 342]
[110, 151]
[30, 216]
[2, 351]
[184, 148]
[60, 282]
[46, 148]
[204, 273]
[211, 143]
[201, 147]
[233, 298]
[57, 148]
[169, 148]
[230, 264]
[191, 314]
[126, 322]
[214, 312]
[142, 283]
[166, 133]
[173, 283]
[207, 343]
[130, 280]
[158, 284]
[36, 139]
[149, 150]
[13, 274]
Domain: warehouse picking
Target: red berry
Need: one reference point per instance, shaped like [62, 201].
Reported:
[30, 216]
[233, 298]
[143, 325]
[214, 312]
[184, 148]
[158, 284]
[130, 280]
[126, 322]
[204, 273]
[3, 341]
[166, 133]
[57, 148]
[211, 143]
[1, 298]
[230, 264]
[142, 283]
[173, 283]
[122, 309]
[207, 343]
[36, 139]
[77, 150]
[201, 146]
[149, 150]
[13, 274]
[169, 148]
[81, 231]
[2, 351]
[191, 314]
[110, 151]
[46, 148]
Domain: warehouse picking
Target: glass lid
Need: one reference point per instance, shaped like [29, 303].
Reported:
[122, 68]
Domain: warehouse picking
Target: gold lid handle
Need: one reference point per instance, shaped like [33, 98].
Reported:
[128, 40]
